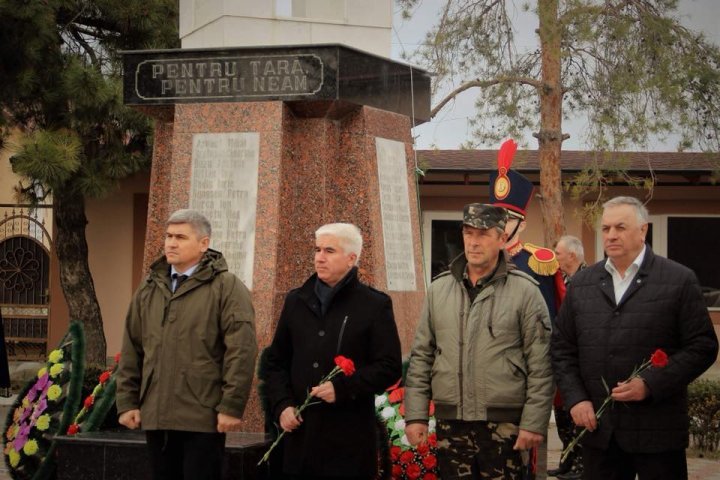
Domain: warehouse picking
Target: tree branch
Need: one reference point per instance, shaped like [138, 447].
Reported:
[483, 84]
[86, 46]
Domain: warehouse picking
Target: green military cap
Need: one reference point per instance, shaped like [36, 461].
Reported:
[480, 215]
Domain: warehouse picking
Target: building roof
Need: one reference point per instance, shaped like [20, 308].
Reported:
[570, 161]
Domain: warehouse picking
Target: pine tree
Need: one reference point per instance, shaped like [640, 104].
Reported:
[629, 67]
[61, 80]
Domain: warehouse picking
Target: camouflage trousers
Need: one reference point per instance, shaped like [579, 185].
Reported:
[478, 450]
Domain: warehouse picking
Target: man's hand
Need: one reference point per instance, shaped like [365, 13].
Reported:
[228, 423]
[416, 433]
[288, 420]
[527, 440]
[583, 415]
[324, 391]
[635, 390]
[130, 419]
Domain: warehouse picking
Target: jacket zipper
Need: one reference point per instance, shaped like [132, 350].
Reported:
[460, 356]
[342, 331]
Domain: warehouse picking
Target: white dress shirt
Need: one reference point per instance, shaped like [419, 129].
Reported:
[622, 283]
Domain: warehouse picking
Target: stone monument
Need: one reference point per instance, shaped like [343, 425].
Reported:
[272, 141]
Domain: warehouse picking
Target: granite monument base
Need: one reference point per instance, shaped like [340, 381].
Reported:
[122, 455]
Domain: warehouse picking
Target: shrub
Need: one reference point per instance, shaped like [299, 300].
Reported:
[704, 410]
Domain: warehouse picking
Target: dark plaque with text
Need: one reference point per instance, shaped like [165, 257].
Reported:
[294, 74]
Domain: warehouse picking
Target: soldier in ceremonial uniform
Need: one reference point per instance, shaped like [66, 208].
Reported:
[512, 191]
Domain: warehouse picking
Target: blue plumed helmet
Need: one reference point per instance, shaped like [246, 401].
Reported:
[508, 188]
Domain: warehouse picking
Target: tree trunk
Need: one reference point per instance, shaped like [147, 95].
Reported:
[75, 278]
[550, 137]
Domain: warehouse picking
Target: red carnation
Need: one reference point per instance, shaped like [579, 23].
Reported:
[73, 429]
[89, 402]
[407, 456]
[397, 471]
[395, 453]
[104, 377]
[401, 410]
[117, 357]
[345, 364]
[659, 359]
[413, 471]
[429, 462]
[431, 410]
[397, 395]
[432, 439]
[394, 386]
[430, 476]
[423, 449]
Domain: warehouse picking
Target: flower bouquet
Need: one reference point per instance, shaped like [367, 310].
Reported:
[342, 365]
[658, 359]
[45, 408]
[408, 463]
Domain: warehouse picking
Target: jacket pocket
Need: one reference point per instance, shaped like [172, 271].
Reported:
[444, 380]
[507, 386]
[204, 385]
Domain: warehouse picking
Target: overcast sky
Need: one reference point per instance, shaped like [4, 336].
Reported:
[450, 127]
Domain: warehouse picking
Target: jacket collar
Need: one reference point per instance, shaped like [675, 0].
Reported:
[211, 264]
[459, 265]
[606, 281]
[307, 291]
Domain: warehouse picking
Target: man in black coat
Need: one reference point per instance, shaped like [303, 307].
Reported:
[615, 315]
[332, 314]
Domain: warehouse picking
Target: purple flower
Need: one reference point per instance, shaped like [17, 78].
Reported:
[21, 438]
[25, 414]
[31, 395]
[42, 382]
[40, 407]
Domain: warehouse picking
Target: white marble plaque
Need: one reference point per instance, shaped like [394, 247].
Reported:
[224, 188]
[395, 208]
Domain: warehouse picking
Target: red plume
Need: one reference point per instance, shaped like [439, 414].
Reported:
[505, 155]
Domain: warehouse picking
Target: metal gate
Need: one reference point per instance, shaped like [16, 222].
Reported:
[24, 280]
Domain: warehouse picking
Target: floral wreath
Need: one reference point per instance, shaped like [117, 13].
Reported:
[43, 408]
[408, 463]
[96, 405]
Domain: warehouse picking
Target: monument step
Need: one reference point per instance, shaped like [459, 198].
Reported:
[122, 455]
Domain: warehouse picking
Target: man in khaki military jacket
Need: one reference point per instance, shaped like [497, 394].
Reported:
[481, 353]
[188, 354]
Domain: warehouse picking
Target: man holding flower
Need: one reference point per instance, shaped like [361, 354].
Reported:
[615, 315]
[333, 320]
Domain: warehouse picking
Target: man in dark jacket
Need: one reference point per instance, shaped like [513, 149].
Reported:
[332, 314]
[616, 314]
[188, 354]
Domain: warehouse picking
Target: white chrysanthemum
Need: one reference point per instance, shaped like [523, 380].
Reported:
[431, 425]
[404, 440]
[387, 412]
[400, 424]
[380, 400]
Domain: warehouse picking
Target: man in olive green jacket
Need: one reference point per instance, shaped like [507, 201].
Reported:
[188, 354]
[481, 353]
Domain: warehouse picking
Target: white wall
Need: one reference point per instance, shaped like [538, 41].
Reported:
[362, 24]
